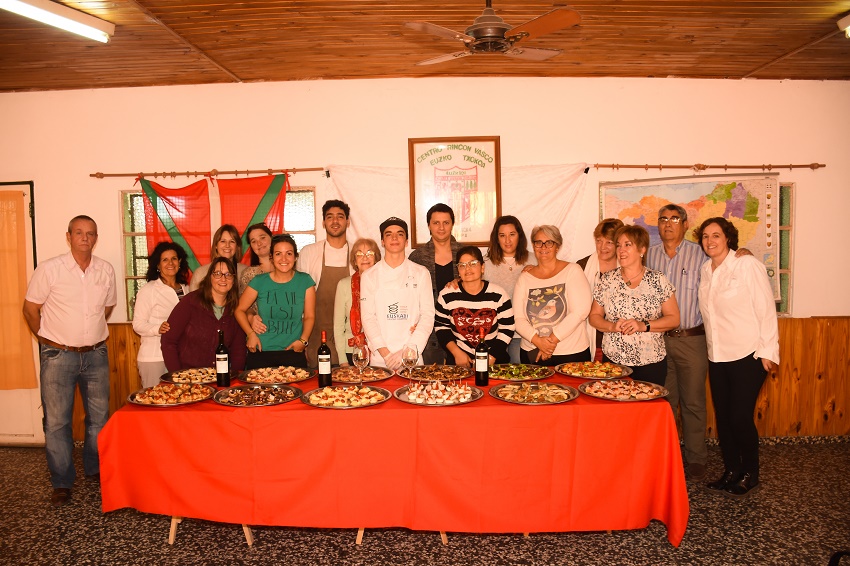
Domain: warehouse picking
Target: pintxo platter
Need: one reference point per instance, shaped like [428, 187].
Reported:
[350, 374]
[533, 393]
[435, 373]
[258, 395]
[282, 374]
[520, 372]
[351, 397]
[594, 370]
[193, 375]
[171, 394]
[438, 394]
[623, 390]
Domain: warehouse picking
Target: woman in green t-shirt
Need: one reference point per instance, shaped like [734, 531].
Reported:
[286, 302]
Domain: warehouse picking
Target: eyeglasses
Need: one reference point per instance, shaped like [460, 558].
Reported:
[548, 244]
[466, 264]
[665, 220]
[219, 275]
[367, 253]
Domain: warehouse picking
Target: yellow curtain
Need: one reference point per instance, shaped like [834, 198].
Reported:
[16, 354]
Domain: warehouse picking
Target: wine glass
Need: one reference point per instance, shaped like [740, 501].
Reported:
[360, 357]
[410, 357]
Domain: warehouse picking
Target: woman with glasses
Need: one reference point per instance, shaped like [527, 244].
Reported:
[633, 307]
[166, 276]
[476, 303]
[227, 243]
[286, 302]
[348, 327]
[551, 301]
[192, 336]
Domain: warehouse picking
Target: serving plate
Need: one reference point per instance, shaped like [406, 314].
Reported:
[520, 372]
[402, 395]
[594, 370]
[350, 374]
[280, 374]
[346, 395]
[170, 392]
[256, 395]
[527, 393]
[193, 375]
[436, 373]
[626, 390]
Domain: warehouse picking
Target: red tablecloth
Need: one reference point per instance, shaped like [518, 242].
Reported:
[488, 466]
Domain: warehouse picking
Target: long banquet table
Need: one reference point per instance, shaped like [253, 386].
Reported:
[485, 467]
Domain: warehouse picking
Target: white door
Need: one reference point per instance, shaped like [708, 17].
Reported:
[20, 409]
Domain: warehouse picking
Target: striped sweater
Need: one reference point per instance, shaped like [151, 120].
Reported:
[459, 315]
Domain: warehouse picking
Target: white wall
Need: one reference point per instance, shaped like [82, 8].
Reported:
[57, 138]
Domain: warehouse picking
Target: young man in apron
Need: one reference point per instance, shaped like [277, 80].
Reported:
[327, 262]
[396, 303]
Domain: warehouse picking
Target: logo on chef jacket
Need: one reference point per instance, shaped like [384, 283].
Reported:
[395, 312]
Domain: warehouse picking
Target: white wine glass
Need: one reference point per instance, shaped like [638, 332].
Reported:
[360, 357]
[409, 358]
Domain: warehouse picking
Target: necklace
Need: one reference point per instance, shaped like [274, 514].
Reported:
[633, 277]
[510, 265]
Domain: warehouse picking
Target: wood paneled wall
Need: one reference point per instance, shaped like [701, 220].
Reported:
[807, 396]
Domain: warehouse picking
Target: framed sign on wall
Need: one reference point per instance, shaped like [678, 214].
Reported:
[464, 173]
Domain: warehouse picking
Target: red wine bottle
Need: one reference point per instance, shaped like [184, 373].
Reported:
[482, 359]
[324, 354]
[222, 362]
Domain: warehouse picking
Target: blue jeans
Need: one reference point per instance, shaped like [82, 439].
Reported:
[61, 372]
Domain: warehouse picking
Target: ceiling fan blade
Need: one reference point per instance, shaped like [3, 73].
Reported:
[439, 31]
[532, 53]
[442, 58]
[556, 20]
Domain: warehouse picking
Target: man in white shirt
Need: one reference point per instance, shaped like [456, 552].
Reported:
[327, 262]
[396, 302]
[66, 306]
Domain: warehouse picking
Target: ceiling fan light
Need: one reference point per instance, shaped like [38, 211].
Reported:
[63, 17]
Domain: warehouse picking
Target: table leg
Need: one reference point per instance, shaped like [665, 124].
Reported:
[443, 537]
[526, 535]
[173, 531]
[359, 536]
[249, 536]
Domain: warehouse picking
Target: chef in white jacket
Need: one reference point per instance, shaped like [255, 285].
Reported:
[396, 302]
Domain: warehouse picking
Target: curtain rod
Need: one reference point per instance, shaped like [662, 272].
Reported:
[210, 173]
[702, 167]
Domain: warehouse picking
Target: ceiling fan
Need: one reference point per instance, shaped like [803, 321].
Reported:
[490, 34]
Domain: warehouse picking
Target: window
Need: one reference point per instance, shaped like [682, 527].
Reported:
[786, 215]
[299, 219]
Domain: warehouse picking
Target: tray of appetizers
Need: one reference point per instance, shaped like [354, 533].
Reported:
[193, 375]
[623, 390]
[256, 395]
[281, 374]
[435, 373]
[350, 397]
[520, 372]
[594, 370]
[438, 394]
[171, 394]
[534, 393]
[350, 374]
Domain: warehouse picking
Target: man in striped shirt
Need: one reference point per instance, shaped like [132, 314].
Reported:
[687, 357]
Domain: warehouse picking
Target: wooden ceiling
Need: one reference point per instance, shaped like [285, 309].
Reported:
[176, 42]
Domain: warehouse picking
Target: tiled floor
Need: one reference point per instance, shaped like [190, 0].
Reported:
[801, 515]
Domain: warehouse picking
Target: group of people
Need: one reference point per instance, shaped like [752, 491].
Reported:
[666, 311]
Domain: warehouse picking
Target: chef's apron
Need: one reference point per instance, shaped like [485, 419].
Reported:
[325, 298]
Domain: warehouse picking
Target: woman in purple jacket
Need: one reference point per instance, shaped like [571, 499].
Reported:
[194, 323]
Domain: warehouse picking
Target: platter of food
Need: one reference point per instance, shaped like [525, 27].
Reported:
[594, 370]
[194, 375]
[282, 374]
[171, 394]
[534, 393]
[435, 373]
[623, 390]
[438, 394]
[350, 397]
[349, 374]
[520, 372]
[256, 395]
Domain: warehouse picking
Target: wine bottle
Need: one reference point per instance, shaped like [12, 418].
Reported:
[482, 359]
[222, 362]
[324, 354]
